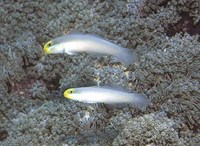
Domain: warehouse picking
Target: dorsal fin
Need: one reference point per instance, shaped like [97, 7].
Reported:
[96, 35]
[112, 88]
[75, 31]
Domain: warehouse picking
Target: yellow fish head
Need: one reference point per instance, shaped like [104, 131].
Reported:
[47, 46]
[69, 92]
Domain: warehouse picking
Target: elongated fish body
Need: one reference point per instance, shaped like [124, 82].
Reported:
[106, 95]
[91, 44]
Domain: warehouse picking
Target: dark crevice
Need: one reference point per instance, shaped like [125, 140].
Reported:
[151, 85]
[3, 135]
[53, 84]
[179, 132]
[26, 63]
[169, 115]
[9, 87]
[49, 128]
[23, 86]
[152, 7]
[177, 96]
[164, 3]
[185, 24]
[194, 127]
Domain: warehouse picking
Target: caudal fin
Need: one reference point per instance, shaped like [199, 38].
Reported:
[140, 100]
[126, 56]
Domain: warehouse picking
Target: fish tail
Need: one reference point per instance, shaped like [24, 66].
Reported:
[140, 100]
[126, 56]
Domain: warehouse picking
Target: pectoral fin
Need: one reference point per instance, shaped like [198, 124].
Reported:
[72, 53]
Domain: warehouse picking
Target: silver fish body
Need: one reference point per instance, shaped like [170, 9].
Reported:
[106, 95]
[76, 43]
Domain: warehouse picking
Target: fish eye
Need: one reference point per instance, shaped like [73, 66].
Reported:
[70, 91]
[49, 44]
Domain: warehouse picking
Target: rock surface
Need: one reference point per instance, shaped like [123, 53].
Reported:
[165, 35]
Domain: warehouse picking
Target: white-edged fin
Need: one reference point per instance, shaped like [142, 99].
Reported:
[115, 88]
[71, 53]
[140, 100]
[96, 35]
[73, 32]
[126, 56]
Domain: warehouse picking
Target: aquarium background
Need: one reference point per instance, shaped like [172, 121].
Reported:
[165, 35]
